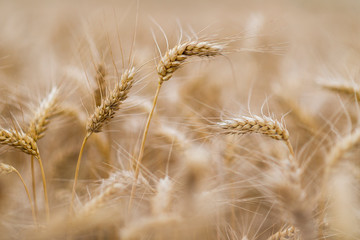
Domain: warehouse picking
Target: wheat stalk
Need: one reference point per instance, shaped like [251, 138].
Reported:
[7, 169]
[168, 64]
[263, 125]
[103, 114]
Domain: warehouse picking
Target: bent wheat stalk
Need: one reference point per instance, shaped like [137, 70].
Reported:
[169, 63]
[7, 169]
[263, 125]
[26, 144]
[103, 114]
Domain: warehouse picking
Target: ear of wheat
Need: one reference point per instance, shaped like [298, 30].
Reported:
[255, 124]
[111, 104]
[19, 140]
[46, 110]
[173, 58]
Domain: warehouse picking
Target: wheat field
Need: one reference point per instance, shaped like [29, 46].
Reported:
[229, 120]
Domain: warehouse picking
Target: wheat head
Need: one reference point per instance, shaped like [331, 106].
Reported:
[110, 105]
[19, 140]
[173, 58]
[41, 119]
[256, 124]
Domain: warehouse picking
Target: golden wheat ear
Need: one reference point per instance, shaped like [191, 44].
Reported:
[176, 56]
[111, 104]
[42, 116]
[19, 140]
[103, 114]
[255, 124]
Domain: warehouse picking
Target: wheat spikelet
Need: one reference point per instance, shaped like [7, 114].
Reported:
[173, 58]
[110, 105]
[344, 88]
[46, 110]
[19, 140]
[288, 234]
[256, 124]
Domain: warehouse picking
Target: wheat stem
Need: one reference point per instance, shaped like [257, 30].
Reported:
[33, 185]
[47, 208]
[77, 172]
[137, 169]
[28, 195]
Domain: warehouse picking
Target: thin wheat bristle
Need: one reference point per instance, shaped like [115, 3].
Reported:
[19, 140]
[173, 58]
[100, 81]
[256, 124]
[344, 88]
[110, 105]
[41, 119]
[6, 169]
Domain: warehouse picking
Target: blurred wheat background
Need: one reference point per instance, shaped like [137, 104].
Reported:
[253, 134]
